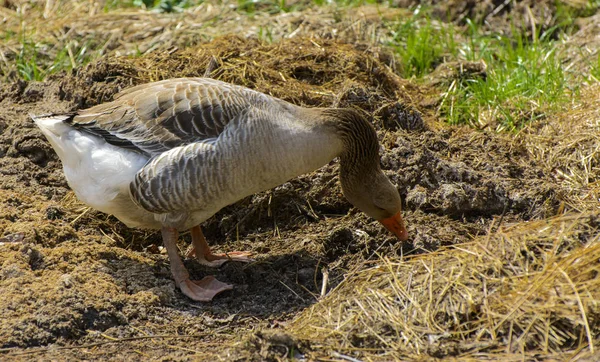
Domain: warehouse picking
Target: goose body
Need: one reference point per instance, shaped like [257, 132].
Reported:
[168, 155]
[262, 147]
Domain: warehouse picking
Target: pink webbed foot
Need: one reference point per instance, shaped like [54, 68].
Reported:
[203, 290]
[216, 260]
[204, 255]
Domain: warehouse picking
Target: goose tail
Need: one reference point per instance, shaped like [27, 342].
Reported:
[54, 127]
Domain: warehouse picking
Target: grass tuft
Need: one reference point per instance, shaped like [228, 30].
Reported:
[595, 69]
[33, 63]
[421, 44]
[524, 77]
[162, 6]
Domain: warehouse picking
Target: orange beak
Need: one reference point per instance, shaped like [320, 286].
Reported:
[395, 224]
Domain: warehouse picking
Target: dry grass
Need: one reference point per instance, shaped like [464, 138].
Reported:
[568, 146]
[528, 291]
[580, 51]
[84, 30]
[303, 70]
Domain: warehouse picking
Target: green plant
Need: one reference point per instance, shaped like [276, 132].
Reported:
[524, 77]
[251, 7]
[595, 68]
[421, 43]
[265, 33]
[352, 2]
[33, 62]
[27, 62]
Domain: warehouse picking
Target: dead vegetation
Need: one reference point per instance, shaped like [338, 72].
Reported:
[528, 291]
[83, 31]
[568, 147]
[504, 258]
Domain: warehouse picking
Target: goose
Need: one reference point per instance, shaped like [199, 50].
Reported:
[168, 155]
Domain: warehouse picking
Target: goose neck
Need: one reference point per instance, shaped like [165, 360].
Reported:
[360, 154]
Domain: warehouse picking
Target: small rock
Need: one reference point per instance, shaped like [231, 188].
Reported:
[66, 280]
[12, 238]
[54, 213]
[11, 271]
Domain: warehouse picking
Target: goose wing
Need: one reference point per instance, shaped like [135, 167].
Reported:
[156, 117]
[203, 175]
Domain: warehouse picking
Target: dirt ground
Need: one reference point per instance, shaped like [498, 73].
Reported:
[77, 284]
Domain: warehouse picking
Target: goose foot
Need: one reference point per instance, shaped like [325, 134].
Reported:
[204, 255]
[203, 290]
[216, 260]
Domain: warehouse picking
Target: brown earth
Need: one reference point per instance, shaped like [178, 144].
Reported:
[77, 284]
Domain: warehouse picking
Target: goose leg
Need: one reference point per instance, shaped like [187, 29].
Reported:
[205, 256]
[201, 290]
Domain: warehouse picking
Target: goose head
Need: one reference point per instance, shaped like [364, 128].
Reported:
[363, 182]
[377, 197]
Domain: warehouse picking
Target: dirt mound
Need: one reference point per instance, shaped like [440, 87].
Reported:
[86, 276]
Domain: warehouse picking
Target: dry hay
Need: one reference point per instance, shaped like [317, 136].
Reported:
[568, 146]
[304, 71]
[528, 291]
[53, 26]
[307, 71]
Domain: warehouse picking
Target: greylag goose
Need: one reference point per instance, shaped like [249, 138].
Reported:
[168, 155]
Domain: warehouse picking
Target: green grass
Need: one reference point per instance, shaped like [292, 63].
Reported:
[33, 63]
[420, 45]
[595, 68]
[524, 79]
[265, 33]
[34, 60]
[351, 2]
[252, 7]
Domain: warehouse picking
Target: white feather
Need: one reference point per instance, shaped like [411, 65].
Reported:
[97, 171]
